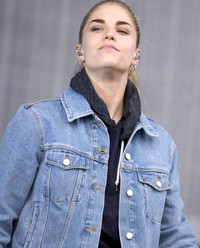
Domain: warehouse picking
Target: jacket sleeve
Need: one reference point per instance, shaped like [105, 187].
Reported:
[175, 230]
[19, 154]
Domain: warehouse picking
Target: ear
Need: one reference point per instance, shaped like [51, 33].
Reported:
[79, 52]
[136, 57]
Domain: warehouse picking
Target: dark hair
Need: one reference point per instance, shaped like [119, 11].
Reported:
[132, 74]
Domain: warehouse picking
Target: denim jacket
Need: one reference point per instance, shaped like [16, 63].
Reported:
[53, 168]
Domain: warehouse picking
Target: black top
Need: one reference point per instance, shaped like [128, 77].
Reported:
[110, 231]
[122, 130]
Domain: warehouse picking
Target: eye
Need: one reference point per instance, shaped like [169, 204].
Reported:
[96, 29]
[123, 31]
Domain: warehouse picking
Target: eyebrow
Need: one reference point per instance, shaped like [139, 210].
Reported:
[118, 22]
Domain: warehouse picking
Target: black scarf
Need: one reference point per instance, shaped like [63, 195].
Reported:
[132, 106]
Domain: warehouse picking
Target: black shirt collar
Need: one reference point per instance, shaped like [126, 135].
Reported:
[132, 106]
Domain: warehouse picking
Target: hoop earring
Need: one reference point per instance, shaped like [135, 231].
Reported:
[81, 63]
[132, 68]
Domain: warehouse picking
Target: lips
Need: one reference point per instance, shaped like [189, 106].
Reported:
[109, 47]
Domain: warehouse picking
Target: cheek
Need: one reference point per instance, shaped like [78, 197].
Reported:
[129, 47]
[132, 46]
[129, 53]
[86, 48]
[88, 42]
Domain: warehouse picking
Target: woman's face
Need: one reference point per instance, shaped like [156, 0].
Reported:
[109, 39]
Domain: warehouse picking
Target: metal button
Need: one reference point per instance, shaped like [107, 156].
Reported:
[158, 183]
[129, 235]
[97, 186]
[66, 161]
[91, 228]
[129, 192]
[100, 150]
[128, 156]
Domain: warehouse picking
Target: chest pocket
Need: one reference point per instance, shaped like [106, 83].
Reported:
[65, 178]
[154, 186]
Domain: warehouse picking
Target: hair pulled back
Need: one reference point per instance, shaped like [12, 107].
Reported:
[132, 74]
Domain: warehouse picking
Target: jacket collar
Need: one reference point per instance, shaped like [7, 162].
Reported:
[82, 100]
[76, 106]
[144, 123]
[132, 106]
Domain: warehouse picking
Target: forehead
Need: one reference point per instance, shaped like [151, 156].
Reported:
[111, 12]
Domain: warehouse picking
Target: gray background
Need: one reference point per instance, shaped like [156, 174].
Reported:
[37, 60]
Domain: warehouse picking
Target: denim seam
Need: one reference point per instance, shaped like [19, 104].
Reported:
[38, 124]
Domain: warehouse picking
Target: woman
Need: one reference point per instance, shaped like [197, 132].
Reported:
[88, 169]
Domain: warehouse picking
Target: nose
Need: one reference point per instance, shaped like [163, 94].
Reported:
[109, 35]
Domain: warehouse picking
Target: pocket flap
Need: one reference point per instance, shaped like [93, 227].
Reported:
[65, 160]
[158, 180]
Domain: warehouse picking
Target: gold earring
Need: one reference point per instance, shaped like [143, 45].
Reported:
[132, 68]
[78, 51]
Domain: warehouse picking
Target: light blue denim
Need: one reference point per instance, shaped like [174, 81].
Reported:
[53, 170]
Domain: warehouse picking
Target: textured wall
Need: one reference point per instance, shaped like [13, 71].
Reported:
[37, 60]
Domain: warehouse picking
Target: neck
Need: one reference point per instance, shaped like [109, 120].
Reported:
[110, 87]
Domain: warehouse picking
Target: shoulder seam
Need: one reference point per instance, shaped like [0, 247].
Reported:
[28, 105]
